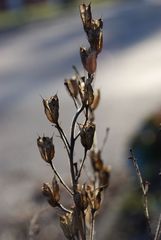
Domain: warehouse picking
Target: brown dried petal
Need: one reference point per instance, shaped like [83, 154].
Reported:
[96, 160]
[46, 148]
[97, 201]
[66, 225]
[72, 87]
[86, 15]
[96, 100]
[55, 189]
[51, 108]
[95, 35]
[104, 176]
[81, 198]
[46, 190]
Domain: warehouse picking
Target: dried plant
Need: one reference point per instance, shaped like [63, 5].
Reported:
[77, 220]
[144, 185]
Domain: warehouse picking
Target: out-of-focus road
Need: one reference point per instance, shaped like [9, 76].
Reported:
[35, 60]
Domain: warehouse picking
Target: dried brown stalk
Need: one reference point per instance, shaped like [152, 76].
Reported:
[144, 188]
[86, 197]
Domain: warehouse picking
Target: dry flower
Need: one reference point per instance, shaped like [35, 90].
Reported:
[51, 108]
[81, 198]
[104, 176]
[86, 92]
[46, 148]
[96, 100]
[72, 86]
[68, 224]
[86, 15]
[89, 59]
[95, 35]
[96, 160]
[97, 201]
[51, 193]
[87, 135]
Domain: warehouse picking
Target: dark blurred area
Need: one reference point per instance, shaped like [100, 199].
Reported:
[39, 43]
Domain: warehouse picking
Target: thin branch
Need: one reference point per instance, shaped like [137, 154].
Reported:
[63, 137]
[144, 189]
[61, 180]
[82, 164]
[63, 208]
[72, 144]
[92, 226]
[158, 229]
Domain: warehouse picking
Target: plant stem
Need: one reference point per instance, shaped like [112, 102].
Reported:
[158, 230]
[61, 180]
[92, 226]
[63, 208]
[63, 137]
[81, 166]
[144, 191]
[72, 144]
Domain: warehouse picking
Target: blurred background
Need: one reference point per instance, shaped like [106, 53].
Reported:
[39, 43]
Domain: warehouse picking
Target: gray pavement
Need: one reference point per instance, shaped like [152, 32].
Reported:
[36, 59]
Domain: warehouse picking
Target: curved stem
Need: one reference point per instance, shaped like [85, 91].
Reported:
[72, 143]
[81, 166]
[63, 137]
[61, 180]
[63, 208]
[158, 230]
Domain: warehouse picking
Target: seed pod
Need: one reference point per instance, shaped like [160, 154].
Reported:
[46, 148]
[96, 100]
[51, 194]
[81, 198]
[86, 15]
[72, 86]
[55, 189]
[95, 35]
[89, 92]
[97, 202]
[89, 60]
[68, 225]
[86, 92]
[96, 160]
[51, 108]
[104, 176]
[87, 135]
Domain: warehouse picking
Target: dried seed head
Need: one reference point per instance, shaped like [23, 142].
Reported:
[96, 100]
[87, 135]
[46, 148]
[89, 59]
[51, 108]
[81, 198]
[95, 35]
[104, 176]
[51, 194]
[69, 224]
[86, 15]
[72, 86]
[96, 160]
[94, 197]
[97, 202]
[86, 92]
[55, 189]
